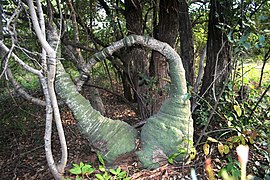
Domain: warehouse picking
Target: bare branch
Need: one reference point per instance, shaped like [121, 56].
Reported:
[38, 30]
[17, 59]
[50, 95]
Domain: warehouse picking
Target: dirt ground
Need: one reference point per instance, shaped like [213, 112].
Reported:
[22, 154]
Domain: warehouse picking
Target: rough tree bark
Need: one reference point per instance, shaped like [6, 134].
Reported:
[218, 49]
[167, 32]
[135, 57]
[186, 42]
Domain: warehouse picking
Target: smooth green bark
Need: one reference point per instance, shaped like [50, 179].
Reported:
[110, 138]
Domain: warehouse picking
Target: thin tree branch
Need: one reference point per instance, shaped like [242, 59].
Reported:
[258, 102]
[266, 57]
[50, 95]
[17, 59]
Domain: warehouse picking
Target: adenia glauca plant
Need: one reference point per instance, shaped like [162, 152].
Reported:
[163, 134]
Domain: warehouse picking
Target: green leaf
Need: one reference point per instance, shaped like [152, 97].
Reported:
[238, 110]
[226, 149]
[118, 170]
[76, 170]
[230, 38]
[106, 176]
[246, 45]
[78, 178]
[81, 164]
[113, 171]
[261, 39]
[76, 165]
[122, 174]
[99, 177]
[170, 160]
[100, 159]
[172, 157]
[182, 151]
[243, 39]
[102, 168]
[87, 169]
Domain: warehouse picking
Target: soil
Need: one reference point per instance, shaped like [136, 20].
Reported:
[22, 154]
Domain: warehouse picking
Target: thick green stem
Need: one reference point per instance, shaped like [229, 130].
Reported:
[164, 134]
[111, 138]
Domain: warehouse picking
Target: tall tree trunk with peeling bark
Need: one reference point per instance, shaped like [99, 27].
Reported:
[186, 42]
[218, 48]
[135, 57]
[168, 27]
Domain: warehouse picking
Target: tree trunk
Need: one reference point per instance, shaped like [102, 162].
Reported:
[186, 42]
[167, 32]
[218, 49]
[136, 56]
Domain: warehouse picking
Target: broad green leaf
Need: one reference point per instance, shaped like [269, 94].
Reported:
[243, 140]
[78, 178]
[102, 168]
[100, 159]
[246, 45]
[76, 170]
[122, 174]
[206, 149]
[261, 39]
[87, 169]
[238, 110]
[243, 39]
[251, 140]
[99, 177]
[113, 171]
[76, 165]
[106, 176]
[171, 158]
[118, 170]
[226, 149]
